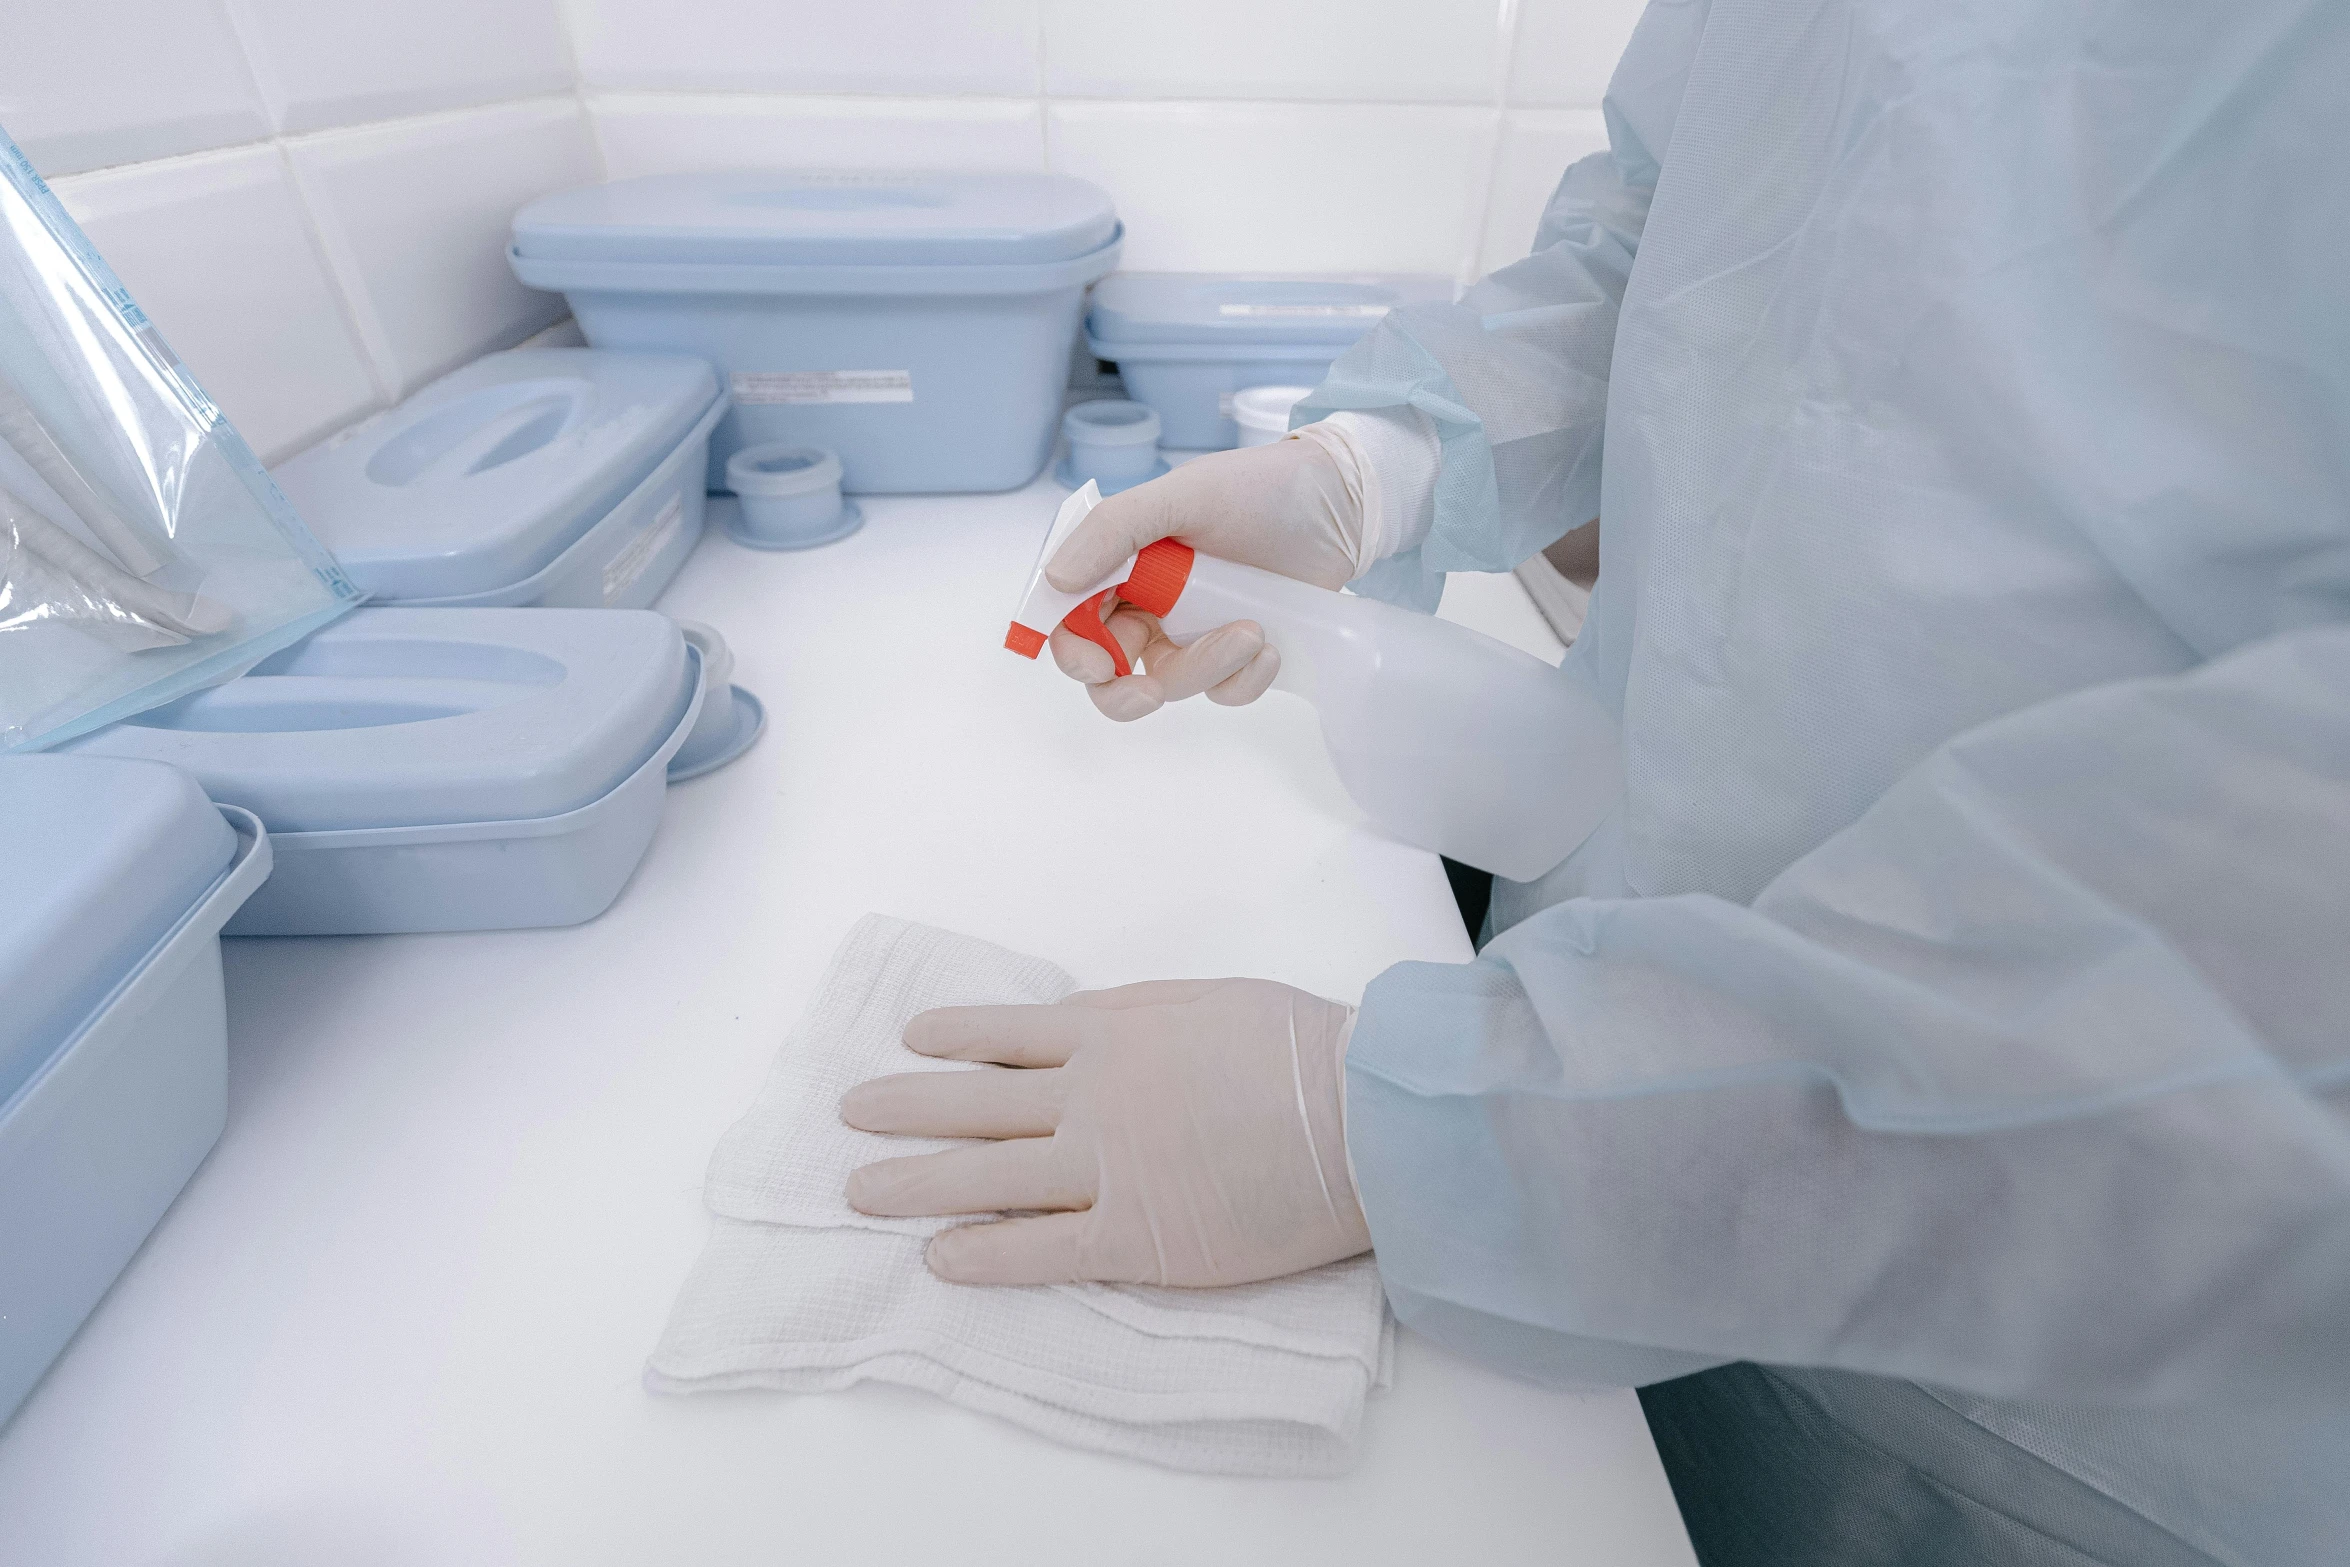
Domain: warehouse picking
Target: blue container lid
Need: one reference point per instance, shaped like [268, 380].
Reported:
[103, 857]
[428, 717]
[487, 475]
[798, 218]
[1244, 310]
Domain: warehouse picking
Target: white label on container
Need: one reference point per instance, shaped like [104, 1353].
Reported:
[1357, 311]
[622, 570]
[822, 386]
[1223, 405]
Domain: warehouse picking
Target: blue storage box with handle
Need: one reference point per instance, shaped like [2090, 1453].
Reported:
[114, 1034]
[917, 325]
[440, 769]
[1184, 342]
[551, 476]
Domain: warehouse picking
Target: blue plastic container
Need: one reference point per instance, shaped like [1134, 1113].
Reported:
[917, 325]
[555, 476]
[438, 769]
[1184, 342]
[114, 1038]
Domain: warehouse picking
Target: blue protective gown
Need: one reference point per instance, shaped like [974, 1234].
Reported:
[1961, 995]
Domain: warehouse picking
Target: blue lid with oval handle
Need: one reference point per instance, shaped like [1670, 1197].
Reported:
[485, 476]
[400, 717]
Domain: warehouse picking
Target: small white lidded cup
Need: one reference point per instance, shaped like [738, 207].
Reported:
[1262, 412]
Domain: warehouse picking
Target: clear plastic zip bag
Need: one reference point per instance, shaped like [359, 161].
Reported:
[144, 552]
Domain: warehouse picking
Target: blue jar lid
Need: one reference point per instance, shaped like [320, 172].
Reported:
[487, 475]
[428, 717]
[1210, 307]
[103, 859]
[799, 218]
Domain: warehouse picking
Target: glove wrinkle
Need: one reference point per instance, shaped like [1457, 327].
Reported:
[1305, 1120]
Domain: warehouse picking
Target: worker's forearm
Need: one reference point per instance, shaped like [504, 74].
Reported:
[1967, 1095]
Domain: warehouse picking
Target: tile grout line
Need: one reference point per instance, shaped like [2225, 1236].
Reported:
[343, 270]
[1507, 16]
[423, 119]
[241, 29]
[358, 317]
[595, 100]
[324, 133]
[753, 95]
[567, 27]
[357, 311]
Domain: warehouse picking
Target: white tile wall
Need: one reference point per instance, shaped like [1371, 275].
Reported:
[1282, 187]
[416, 214]
[1536, 147]
[357, 60]
[1442, 51]
[852, 46]
[659, 133]
[219, 252]
[1567, 49]
[311, 198]
[75, 97]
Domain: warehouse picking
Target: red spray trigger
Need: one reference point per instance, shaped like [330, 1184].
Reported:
[1086, 621]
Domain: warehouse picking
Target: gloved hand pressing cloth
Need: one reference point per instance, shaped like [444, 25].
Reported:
[799, 1291]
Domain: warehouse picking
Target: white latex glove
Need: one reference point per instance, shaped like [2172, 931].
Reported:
[1181, 1132]
[1321, 505]
[1284, 506]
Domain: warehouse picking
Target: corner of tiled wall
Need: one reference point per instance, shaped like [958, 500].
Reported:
[311, 200]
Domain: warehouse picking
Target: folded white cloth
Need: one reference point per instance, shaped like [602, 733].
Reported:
[798, 1291]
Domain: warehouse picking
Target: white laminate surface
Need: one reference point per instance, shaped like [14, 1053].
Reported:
[399, 1317]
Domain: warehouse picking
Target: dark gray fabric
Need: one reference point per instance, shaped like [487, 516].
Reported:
[1832, 1469]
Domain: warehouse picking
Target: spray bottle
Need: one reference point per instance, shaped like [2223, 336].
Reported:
[1445, 738]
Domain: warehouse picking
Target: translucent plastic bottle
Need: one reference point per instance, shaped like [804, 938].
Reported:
[1443, 736]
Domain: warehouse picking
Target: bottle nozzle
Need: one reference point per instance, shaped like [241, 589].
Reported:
[1044, 606]
[1151, 581]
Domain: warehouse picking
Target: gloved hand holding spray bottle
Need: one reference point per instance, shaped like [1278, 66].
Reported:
[1445, 738]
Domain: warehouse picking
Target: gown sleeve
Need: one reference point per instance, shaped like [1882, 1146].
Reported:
[1514, 375]
[2033, 1080]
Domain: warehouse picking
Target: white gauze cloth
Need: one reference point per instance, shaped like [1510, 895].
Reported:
[798, 1291]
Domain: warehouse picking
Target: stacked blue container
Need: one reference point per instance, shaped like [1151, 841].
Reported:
[1184, 342]
[114, 1041]
[917, 325]
[441, 769]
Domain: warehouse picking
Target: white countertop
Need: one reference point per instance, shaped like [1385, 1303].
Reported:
[398, 1319]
